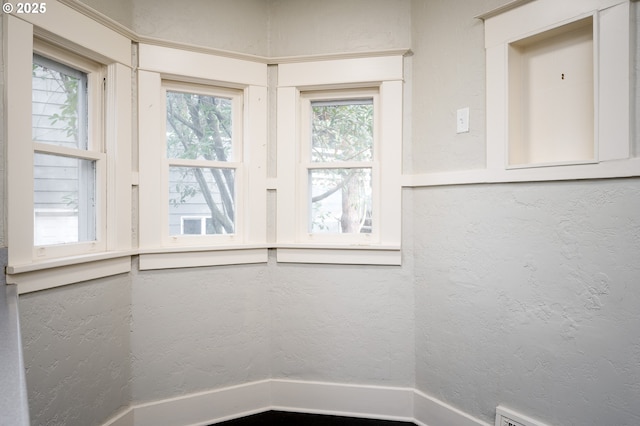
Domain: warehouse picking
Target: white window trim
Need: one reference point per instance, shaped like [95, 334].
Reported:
[383, 74]
[158, 65]
[611, 22]
[67, 29]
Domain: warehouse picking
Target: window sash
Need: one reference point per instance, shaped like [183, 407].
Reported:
[232, 165]
[80, 127]
[335, 209]
[306, 166]
[186, 198]
[91, 221]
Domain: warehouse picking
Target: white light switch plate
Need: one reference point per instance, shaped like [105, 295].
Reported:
[462, 120]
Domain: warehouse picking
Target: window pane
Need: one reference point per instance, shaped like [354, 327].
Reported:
[342, 130]
[192, 226]
[340, 200]
[199, 127]
[64, 200]
[59, 104]
[198, 192]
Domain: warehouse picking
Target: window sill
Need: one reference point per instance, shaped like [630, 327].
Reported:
[191, 257]
[337, 254]
[58, 272]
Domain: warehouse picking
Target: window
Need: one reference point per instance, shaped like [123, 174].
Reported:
[69, 165]
[67, 159]
[339, 161]
[203, 127]
[203, 159]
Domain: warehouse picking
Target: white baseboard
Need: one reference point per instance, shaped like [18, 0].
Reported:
[379, 402]
[376, 402]
[429, 411]
[122, 419]
[205, 408]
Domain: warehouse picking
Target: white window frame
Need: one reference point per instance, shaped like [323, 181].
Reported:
[66, 30]
[95, 150]
[306, 165]
[161, 68]
[235, 164]
[298, 83]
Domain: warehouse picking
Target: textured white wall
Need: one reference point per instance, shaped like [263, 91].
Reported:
[198, 329]
[304, 27]
[527, 295]
[238, 26]
[76, 350]
[118, 10]
[448, 70]
[348, 324]
[524, 294]
[344, 324]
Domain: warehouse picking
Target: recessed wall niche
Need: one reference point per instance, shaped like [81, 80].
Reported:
[551, 96]
[558, 89]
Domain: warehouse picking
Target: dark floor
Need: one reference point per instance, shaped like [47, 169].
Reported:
[283, 418]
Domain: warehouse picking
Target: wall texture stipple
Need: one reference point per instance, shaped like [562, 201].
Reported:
[518, 294]
[77, 351]
[530, 289]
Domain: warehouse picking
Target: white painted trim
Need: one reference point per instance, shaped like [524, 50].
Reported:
[68, 261]
[604, 170]
[429, 411]
[17, 41]
[611, 40]
[56, 265]
[338, 399]
[501, 9]
[366, 401]
[124, 418]
[70, 28]
[184, 64]
[383, 74]
[118, 134]
[205, 408]
[190, 258]
[526, 18]
[42, 279]
[340, 72]
[157, 63]
[341, 256]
